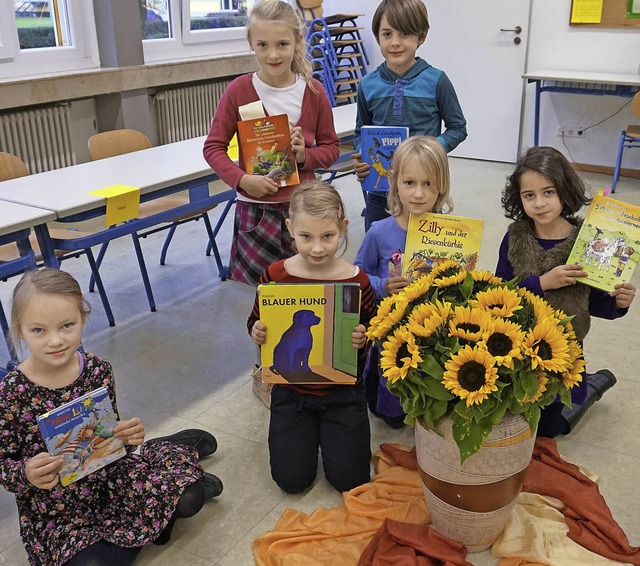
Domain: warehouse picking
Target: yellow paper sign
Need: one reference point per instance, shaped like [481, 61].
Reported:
[123, 203]
[586, 11]
[232, 150]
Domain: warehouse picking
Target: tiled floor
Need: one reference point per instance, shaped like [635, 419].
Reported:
[188, 365]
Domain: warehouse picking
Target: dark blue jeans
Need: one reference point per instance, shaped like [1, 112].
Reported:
[376, 209]
[337, 424]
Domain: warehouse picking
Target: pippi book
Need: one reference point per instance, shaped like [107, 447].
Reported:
[608, 243]
[434, 237]
[377, 146]
[266, 149]
[82, 431]
[309, 327]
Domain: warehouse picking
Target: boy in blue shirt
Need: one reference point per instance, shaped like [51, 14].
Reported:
[405, 90]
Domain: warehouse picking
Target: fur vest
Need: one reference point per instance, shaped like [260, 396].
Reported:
[527, 258]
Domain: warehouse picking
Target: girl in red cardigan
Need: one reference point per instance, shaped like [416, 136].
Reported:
[330, 417]
[284, 86]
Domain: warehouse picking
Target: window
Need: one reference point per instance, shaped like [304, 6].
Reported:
[46, 37]
[193, 28]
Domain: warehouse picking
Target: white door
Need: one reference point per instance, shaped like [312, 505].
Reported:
[485, 66]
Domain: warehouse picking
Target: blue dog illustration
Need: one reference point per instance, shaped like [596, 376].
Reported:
[291, 354]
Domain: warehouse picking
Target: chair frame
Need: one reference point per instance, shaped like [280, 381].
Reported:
[629, 138]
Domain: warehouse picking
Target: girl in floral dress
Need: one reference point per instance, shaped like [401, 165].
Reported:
[106, 517]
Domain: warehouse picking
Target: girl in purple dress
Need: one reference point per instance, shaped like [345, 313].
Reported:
[106, 517]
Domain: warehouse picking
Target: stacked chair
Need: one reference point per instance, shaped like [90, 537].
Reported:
[336, 50]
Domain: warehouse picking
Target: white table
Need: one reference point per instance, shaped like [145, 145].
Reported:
[579, 82]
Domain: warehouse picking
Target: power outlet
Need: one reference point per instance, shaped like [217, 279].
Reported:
[572, 131]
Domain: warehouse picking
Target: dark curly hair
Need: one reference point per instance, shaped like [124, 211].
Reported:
[551, 164]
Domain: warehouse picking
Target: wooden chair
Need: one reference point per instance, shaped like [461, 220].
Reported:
[629, 138]
[12, 167]
[118, 142]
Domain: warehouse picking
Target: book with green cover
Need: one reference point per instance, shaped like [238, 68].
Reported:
[309, 328]
[432, 238]
[608, 243]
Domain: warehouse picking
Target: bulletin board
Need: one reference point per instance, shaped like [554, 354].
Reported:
[614, 14]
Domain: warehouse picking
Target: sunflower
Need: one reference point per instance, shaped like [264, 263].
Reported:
[426, 318]
[486, 277]
[417, 288]
[453, 280]
[541, 309]
[547, 346]
[499, 301]
[469, 324]
[399, 353]
[542, 387]
[390, 313]
[503, 340]
[573, 376]
[471, 375]
[445, 268]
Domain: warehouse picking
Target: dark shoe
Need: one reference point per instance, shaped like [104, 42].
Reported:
[212, 486]
[597, 384]
[204, 442]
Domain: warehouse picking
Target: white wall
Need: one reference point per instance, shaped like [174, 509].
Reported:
[553, 44]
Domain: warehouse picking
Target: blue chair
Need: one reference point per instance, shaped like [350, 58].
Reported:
[628, 138]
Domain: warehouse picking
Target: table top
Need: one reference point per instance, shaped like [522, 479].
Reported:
[14, 217]
[65, 190]
[632, 79]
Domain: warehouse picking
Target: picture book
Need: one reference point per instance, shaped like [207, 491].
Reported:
[377, 146]
[309, 330]
[82, 431]
[432, 238]
[266, 149]
[608, 243]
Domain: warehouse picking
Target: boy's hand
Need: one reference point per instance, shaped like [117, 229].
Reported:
[561, 276]
[258, 186]
[624, 294]
[297, 145]
[358, 339]
[362, 168]
[395, 284]
[42, 470]
[131, 432]
[259, 333]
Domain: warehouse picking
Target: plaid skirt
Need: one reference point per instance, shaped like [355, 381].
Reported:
[260, 237]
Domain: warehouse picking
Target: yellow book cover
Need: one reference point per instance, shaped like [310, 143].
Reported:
[608, 243]
[434, 237]
[309, 330]
[266, 149]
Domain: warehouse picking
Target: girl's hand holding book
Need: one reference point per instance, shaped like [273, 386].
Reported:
[259, 333]
[258, 186]
[42, 470]
[361, 167]
[396, 284]
[131, 432]
[297, 145]
[624, 294]
[561, 276]
[358, 338]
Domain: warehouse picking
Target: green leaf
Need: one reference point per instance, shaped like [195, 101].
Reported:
[466, 287]
[431, 367]
[437, 390]
[470, 436]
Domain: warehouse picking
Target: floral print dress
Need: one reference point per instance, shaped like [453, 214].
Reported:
[128, 502]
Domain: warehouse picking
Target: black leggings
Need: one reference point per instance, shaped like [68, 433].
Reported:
[105, 553]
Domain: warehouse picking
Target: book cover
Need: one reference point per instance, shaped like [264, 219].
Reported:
[82, 431]
[266, 148]
[309, 330]
[434, 237]
[377, 146]
[608, 243]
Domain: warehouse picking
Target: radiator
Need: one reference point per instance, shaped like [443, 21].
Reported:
[186, 112]
[41, 137]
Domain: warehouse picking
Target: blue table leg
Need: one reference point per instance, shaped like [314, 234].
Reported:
[46, 246]
[536, 115]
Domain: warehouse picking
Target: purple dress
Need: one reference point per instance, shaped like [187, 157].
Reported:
[128, 502]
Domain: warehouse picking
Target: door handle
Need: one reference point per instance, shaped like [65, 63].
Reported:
[517, 29]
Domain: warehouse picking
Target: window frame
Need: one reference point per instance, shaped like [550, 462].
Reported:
[81, 55]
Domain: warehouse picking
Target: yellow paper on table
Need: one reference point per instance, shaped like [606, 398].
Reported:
[232, 150]
[586, 11]
[123, 203]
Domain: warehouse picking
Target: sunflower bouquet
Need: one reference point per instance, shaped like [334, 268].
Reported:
[468, 345]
